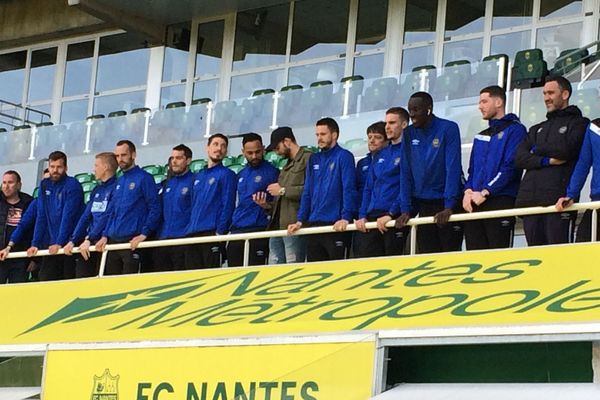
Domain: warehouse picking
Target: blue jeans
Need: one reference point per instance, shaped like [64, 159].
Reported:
[288, 249]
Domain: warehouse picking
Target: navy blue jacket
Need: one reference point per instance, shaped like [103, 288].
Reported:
[134, 208]
[382, 188]
[213, 200]
[176, 205]
[59, 206]
[26, 226]
[248, 215]
[329, 187]
[492, 163]
[588, 157]
[95, 217]
[431, 165]
[362, 171]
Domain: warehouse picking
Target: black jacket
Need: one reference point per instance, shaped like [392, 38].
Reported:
[559, 137]
[4, 206]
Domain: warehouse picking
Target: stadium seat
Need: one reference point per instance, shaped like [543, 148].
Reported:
[2, 130]
[86, 197]
[241, 159]
[413, 82]
[354, 92]
[380, 94]
[454, 80]
[229, 160]
[529, 69]
[272, 156]
[588, 101]
[119, 113]
[204, 100]
[357, 147]
[154, 169]
[159, 178]
[236, 168]
[569, 60]
[289, 101]
[281, 163]
[21, 127]
[316, 101]
[197, 165]
[85, 177]
[487, 72]
[36, 192]
[175, 104]
[140, 110]
[222, 116]
[43, 124]
[95, 116]
[311, 149]
[88, 186]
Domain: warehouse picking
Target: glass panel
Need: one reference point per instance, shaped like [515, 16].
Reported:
[176, 54]
[69, 138]
[314, 33]
[123, 62]
[170, 94]
[369, 66]
[261, 37]
[420, 20]
[511, 43]
[464, 16]
[244, 85]
[554, 39]
[206, 89]
[41, 78]
[73, 111]
[464, 50]
[305, 75]
[79, 68]
[124, 101]
[371, 25]
[416, 57]
[12, 76]
[210, 48]
[509, 13]
[560, 8]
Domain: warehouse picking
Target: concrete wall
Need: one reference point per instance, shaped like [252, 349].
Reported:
[24, 22]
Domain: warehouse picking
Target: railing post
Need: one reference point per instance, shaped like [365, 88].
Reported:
[347, 86]
[103, 263]
[413, 240]
[594, 225]
[33, 136]
[276, 97]
[88, 133]
[146, 128]
[209, 117]
[246, 252]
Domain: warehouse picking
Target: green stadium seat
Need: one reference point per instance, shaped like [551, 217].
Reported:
[140, 110]
[119, 113]
[317, 100]
[36, 192]
[85, 177]
[529, 69]
[569, 60]
[281, 163]
[229, 160]
[236, 168]
[272, 156]
[43, 124]
[311, 149]
[204, 100]
[175, 104]
[88, 186]
[2, 130]
[95, 116]
[119, 172]
[454, 80]
[241, 159]
[86, 197]
[21, 127]
[380, 94]
[198, 165]
[487, 71]
[159, 178]
[289, 101]
[154, 169]
[412, 82]
[356, 146]
[354, 92]
[262, 92]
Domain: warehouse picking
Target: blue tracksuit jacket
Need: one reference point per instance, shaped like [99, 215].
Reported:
[382, 188]
[248, 215]
[59, 206]
[95, 217]
[430, 165]
[134, 208]
[26, 226]
[329, 187]
[588, 157]
[492, 162]
[213, 200]
[176, 205]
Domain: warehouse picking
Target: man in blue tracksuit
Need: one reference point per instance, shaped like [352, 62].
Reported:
[133, 213]
[589, 157]
[329, 196]
[59, 205]
[376, 141]
[431, 176]
[213, 201]
[176, 194]
[493, 181]
[380, 196]
[95, 217]
[248, 216]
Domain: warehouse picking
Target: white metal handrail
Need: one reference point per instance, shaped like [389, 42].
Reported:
[413, 223]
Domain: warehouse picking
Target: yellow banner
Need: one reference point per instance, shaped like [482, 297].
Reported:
[266, 372]
[511, 287]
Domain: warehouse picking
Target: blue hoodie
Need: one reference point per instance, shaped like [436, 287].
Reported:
[248, 215]
[382, 188]
[588, 157]
[213, 200]
[59, 206]
[95, 217]
[134, 208]
[176, 205]
[492, 163]
[431, 164]
[329, 187]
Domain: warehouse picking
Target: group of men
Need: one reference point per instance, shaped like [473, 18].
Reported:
[413, 169]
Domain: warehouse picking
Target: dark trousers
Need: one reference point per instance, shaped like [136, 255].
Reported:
[259, 252]
[436, 239]
[493, 233]
[584, 231]
[549, 228]
[13, 271]
[171, 258]
[54, 268]
[375, 244]
[122, 261]
[204, 255]
[87, 268]
[328, 246]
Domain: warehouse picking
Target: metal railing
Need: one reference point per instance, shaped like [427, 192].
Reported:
[413, 223]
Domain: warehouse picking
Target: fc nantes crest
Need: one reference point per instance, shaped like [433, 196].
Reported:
[106, 387]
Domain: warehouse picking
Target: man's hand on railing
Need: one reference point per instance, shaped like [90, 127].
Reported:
[360, 224]
[68, 249]
[294, 227]
[381, 221]
[402, 220]
[340, 226]
[442, 217]
[32, 251]
[467, 201]
[84, 249]
[4, 253]
[564, 202]
[53, 249]
[136, 241]
[101, 244]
